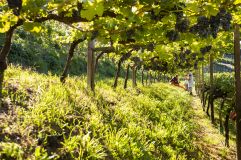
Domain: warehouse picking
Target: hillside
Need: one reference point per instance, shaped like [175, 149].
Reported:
[225, 63]
[43, 119]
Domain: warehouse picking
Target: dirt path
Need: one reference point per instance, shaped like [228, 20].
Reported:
[209, 140]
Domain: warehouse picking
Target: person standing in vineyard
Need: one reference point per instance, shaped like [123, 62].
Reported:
[190, 82]
[186, 82]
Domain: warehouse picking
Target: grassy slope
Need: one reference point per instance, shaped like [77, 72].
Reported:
[43, 119]
[209, 139]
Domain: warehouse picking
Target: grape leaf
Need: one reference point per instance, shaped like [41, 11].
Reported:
[32, 27]
[91, 9]
[237, 2]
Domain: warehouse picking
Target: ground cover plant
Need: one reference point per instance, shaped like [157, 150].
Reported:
[43, 119]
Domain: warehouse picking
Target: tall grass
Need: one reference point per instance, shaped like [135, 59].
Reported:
[55, 121]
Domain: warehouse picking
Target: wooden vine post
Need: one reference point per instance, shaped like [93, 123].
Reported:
[150, 78]
[90, 65]
[127, 76]
[199, 81]
[147, 77]
[202, 78]
[118, 69]
[237, 88]
[134, 69]
[211, 87]
[142, 77]
[196, 81]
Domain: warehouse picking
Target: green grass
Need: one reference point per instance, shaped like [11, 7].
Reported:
[44, 119]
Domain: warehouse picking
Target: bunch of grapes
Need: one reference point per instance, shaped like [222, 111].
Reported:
[201, 58]
[194, 56]
[187, 52]
[172, 35]
[178, 10]
[195, 64]
[182, 57]
[175, 57]
[182, 25]
[202, 27]
[206, 27]
[79, 6]
[225, 19]
[136, 59]
[130, 33]
[94, 34]
[187, 59]
[16, 5]
[75, 13]
[179, 15]
[205, 49]
[155, 17]
[203, 21]
[150, 47]
[214, 25]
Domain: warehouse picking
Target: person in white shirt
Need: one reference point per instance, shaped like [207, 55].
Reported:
[186, 82]
[190, 82]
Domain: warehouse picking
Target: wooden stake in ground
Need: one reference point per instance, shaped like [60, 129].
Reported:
[73, 45]
[90, 65]
[237, 88]
[211, 85]
[142, 77]
[127, 76]
[118, 69]
[134, 69]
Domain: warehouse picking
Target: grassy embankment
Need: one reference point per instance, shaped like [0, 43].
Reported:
[43, 119]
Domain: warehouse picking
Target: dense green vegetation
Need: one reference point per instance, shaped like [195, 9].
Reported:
[219, 101]
[43, 54]
[46, 119]
[149, 37]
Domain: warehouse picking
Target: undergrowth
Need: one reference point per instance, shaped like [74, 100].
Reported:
[43, 119]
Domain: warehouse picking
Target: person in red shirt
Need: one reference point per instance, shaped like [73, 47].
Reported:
[175, 81]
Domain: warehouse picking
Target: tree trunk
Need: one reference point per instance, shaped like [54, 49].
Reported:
[199, 82]
[1, 85]
[97, 59]
[212, 109]
[237, 88]
[154, 78]
[122, 59]
[226, 126]
[202, 99]
[150, 78]
[127, 76]
[159, 77]
[147, 77]
[209, 99]
[202, 81]
[142, 77]
[220, 116]
[134, 77]
[90, 66]
[205, 101]
[74, 44]
[211, 88]
[196, 81]
[4, 53]
[117, 73]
